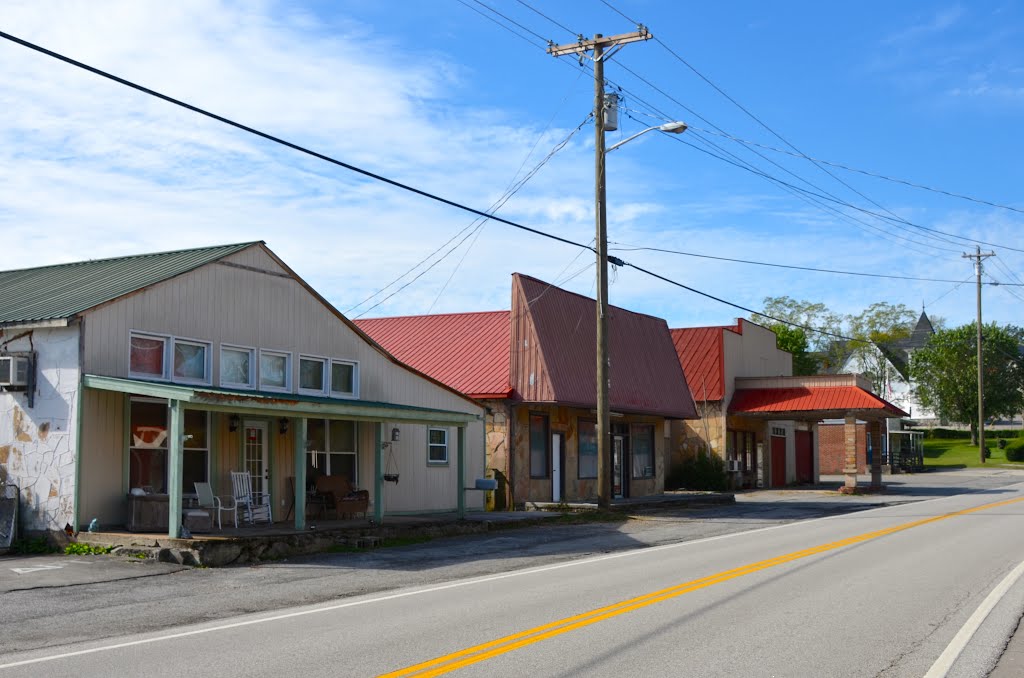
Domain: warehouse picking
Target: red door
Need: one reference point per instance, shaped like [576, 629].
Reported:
[804, 457]
[778, 461]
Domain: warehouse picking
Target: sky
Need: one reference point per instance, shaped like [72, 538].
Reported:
[459, 99]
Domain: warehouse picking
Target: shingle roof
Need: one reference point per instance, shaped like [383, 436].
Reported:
[809, 399]
[64, 290]
[468, 352]
[559, 364]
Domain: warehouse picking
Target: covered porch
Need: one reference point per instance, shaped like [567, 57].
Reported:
[282, 439]
[811, 399]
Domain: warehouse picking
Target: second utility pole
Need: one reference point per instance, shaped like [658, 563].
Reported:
[598, 45]
[978, 258]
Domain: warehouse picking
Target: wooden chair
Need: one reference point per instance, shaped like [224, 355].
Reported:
[341, 498]
[253, 506]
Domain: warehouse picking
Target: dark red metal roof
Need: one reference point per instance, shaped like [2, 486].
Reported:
[700, 353]
[554, 354]
[809, 399]
[468, 352]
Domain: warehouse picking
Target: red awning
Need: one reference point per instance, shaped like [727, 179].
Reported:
[809, 399]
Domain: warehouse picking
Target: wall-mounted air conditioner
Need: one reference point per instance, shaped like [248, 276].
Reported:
[732, 464]
[14, 370]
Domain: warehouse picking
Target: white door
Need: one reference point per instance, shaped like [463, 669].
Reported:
[556, 467]
[254, 456]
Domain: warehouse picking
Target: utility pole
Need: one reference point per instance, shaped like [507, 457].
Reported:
[978, 257]
[597, 46]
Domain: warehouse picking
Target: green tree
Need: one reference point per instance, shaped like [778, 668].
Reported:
[946, 371]
[814, 315]
[875, 330]
[794, 340]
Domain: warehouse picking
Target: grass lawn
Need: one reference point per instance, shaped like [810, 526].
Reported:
[951, 453]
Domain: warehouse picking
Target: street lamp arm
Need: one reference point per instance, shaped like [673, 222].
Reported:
[670, 127]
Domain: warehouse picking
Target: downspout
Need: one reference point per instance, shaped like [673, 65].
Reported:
[510, 450]
[76, 516]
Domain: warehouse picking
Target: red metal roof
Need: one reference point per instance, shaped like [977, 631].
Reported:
[554, 354]
[700, 353]
[809, 399]
[468, 352]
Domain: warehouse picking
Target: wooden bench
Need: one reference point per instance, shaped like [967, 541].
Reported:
[341, 497]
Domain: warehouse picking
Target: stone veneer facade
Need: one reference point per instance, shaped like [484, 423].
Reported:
[37, 444]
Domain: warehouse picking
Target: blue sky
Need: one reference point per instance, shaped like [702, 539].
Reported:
[455, 99]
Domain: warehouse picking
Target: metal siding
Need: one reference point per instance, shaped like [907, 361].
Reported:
[101, 456]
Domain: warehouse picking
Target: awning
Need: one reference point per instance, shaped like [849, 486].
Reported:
[812, 402]
[280, 404]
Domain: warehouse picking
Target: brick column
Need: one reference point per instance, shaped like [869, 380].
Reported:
[850, 442]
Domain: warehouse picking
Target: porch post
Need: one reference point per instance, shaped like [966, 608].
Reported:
[875, 436]
[460, 474]
[176, 469]
[378, 473]
[299, 426]
[850, 441]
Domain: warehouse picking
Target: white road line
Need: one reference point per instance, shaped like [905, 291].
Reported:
[453, 585]
[952, 652]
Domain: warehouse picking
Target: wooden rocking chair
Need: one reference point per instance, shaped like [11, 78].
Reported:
[255, 506]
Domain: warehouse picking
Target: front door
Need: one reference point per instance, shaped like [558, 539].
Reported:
[254, 456]
[556, 467]
[778, 461]
[618, 467]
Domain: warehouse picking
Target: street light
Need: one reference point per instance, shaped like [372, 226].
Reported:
[604, 484]
[670, 127]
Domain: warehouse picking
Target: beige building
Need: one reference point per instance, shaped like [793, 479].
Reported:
[151, 373]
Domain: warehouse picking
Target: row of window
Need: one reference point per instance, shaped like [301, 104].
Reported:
[189, 361]
[637, 442]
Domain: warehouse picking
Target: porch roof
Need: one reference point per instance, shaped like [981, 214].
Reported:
[290, 404]
[812, 402]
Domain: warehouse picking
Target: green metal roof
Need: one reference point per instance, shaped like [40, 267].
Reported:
[61, 291]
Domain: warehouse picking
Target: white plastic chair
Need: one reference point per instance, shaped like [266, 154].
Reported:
[211, 502]
[254, 508]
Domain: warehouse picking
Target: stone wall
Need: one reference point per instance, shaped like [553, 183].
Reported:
[37, 444]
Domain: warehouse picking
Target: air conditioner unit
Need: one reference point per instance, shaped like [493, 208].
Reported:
[733, 465]
[14, 371]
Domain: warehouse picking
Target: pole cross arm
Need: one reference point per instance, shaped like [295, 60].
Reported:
[582, 45]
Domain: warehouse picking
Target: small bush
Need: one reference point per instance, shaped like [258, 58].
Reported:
[1015, 452]
[703, 472]
[77, 549]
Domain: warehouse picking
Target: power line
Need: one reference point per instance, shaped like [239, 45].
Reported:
[492, 19]
[867, 173]
[510, 20]
[282, 142]
[636, 248]
[560, 25]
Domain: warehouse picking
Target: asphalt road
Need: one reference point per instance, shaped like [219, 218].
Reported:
[750, 590]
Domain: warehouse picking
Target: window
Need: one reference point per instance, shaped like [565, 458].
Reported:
[587, 448]
[344, 379]
[236, 366]
[539, 440]
[312, 374]
[332, 449]
[437, 446]
[148, 462]
[191, 361]
[275, 371]
[642, 442]
[147, 356]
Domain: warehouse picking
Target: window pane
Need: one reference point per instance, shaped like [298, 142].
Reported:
[147, 356]
[235, 367]
[343, 436]
[344, 465]
[588, 449]
[273, 370]
[315, 435]
[342, 378]
[311, 374]
[643, 451]
[147, 465]
[316, 465]
[195, 426]
[538, 446]
[194, 470]
[438, 436]
[190, 361]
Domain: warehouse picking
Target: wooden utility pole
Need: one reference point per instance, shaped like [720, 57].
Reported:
[598, 46]
[978, 257]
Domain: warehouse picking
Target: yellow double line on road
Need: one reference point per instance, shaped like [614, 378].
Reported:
[485, 651]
